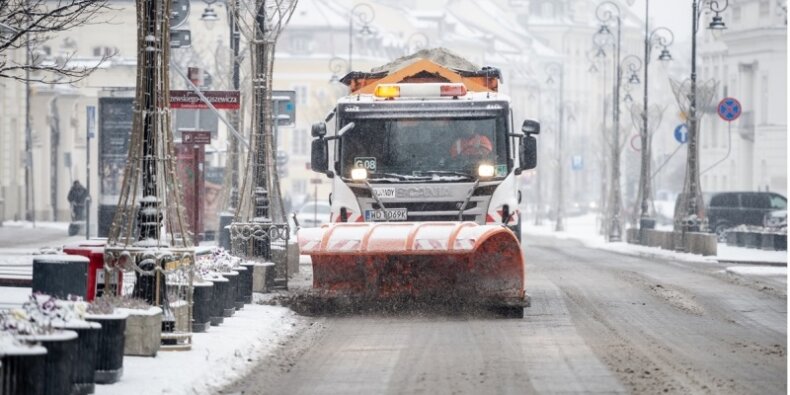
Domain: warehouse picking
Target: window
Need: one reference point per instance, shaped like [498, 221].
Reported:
[765, 8]
[724, 200]
[301, 94]
[755, 200]
[300, 142]
[778, 202]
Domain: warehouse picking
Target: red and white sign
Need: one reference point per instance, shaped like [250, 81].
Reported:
[221, 100]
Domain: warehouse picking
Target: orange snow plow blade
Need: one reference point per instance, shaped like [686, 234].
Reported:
[424, 259]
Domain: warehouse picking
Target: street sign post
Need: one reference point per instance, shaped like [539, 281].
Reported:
[729, 109]
[221, 100]
[196, 137]
[682, 133]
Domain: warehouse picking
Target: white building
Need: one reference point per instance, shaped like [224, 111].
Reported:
[749, 61]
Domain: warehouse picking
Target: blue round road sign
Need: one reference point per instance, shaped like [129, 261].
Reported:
[682, 133]
[729, 109]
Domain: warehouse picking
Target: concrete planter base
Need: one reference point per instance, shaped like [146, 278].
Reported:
[143, 332]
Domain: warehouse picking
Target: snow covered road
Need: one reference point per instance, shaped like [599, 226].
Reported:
[599, 322]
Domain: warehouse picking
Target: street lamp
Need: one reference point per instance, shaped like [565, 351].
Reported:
[608, 12]
[691, 199]
[364, 14]
[556, 69]
[663, 37]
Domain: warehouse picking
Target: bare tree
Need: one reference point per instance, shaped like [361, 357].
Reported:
[25, 25]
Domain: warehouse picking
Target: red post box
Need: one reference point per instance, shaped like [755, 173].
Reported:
[94, 251]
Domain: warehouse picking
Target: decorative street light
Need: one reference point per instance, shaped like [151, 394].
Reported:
[556, 69]
[663, 37]
[691, 199]
[608, 12]
[364, 14]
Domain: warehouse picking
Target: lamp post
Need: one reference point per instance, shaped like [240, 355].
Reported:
[663, 37]
[364, 14]
[556, 69]
[691, 199]
[606, 12]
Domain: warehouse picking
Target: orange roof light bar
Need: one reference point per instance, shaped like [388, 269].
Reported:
[389, 91]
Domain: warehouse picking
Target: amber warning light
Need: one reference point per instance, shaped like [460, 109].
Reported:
[389, 91]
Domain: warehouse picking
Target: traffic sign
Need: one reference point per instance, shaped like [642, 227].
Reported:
[179, 12]
[729, 109]
[682, 133]
[284, 107]
[180, 38]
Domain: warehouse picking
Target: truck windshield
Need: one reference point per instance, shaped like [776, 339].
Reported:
[425, 149]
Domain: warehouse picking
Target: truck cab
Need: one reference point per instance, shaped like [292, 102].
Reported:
[425, 151]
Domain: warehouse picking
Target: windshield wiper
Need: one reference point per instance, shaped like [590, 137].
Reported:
[445, 173]
[384, 175]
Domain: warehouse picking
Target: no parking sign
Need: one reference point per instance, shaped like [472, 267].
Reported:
[729, 109]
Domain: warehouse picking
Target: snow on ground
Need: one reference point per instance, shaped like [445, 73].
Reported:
[758, 270]
[218, 357]
[585, 229]
[64, 226]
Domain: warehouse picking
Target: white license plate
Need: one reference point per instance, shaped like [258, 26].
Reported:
[390, 214]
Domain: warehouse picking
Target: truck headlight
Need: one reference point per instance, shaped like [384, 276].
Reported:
[485, 171]
[359, 174]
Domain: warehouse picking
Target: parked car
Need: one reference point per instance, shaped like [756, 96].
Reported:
[314, 214]
[730, 209]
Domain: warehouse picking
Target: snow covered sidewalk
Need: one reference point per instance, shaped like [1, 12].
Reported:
[743, 261]
[218, 357]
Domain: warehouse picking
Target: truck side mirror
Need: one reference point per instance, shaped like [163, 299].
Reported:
[528, 152]
[530, 127]
[318, 129]
[319, 155]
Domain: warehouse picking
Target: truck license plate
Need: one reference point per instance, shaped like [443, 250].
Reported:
[390, 214]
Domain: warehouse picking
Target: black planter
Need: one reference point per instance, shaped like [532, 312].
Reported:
[109, 354]
[780, 242]
[767, 241]
[60, 275]
[221, 291]
[751, 239]
[740, 238]
[201, 305]
[61, 354]
[22, 370]
[732, 239]
[83, 375]
[244, 286]
[230, 298]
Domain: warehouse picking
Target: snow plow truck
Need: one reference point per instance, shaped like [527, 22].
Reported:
[425, 199]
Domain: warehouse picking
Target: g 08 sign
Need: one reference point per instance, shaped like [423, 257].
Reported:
[368, 164]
